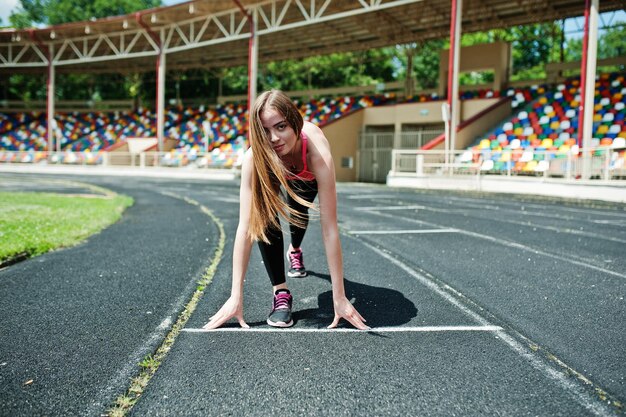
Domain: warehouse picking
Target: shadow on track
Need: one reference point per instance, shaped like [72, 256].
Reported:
[380, 306]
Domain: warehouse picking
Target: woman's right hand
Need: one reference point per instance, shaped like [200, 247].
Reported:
[233, 307]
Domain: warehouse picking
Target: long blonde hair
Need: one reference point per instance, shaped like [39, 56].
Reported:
[269, 173]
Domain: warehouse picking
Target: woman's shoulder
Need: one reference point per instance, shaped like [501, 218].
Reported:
[248, 160]
[318, 149]
[315, 136]
[311, 130]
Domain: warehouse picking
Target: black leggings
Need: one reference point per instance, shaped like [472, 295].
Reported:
[273, 252]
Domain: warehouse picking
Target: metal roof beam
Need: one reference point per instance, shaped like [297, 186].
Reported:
[275, 16]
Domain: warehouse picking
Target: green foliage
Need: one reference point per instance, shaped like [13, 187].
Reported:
[27, 87]
[55, 12]
[426, 63]
[532, 46]
[339, 69]
[611, 44]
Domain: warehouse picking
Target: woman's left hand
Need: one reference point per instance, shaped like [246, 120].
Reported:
[345, 310]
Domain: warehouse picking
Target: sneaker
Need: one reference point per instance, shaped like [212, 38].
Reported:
[296, 264]
[280, 316]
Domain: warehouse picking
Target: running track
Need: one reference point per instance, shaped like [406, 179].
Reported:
[480, 305]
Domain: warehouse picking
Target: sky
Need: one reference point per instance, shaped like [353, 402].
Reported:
[6, 6]
[573, 27]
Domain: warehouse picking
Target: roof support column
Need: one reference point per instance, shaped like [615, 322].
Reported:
[253, 59]
[160, 99]
[588, 84]
[52, 125]
[160, 87]
[453, 74]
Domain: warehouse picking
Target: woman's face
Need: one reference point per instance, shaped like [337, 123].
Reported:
[281, 134]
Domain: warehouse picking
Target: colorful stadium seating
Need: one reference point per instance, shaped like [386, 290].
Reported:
[545, 126]
[223, 127]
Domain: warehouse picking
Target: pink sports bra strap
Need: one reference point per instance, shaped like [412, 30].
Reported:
[305, 174]
[305, 140]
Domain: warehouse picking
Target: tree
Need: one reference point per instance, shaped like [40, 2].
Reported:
[611, 44]
[531, 46]
[55, 12]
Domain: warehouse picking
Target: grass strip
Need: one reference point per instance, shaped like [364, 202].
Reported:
[150, 364]
[33, 223]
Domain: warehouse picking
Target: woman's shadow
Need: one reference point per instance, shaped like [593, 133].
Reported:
[379, 306]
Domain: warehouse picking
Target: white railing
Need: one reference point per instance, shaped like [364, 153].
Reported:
[414, 140]
[176, 159]
[603, 163]
[401, 140]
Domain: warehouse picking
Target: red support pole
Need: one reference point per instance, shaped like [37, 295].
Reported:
[49, 96]
[251, 73]
[583, 76]
[451, 54]
[157, 40]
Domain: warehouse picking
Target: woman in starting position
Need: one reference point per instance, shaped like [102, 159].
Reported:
[293, 155]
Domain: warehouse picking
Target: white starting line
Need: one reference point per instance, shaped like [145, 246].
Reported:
[423, 329]
[401, 232]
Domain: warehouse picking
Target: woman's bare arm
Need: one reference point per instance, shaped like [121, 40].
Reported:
[233, 307]
[323, 167]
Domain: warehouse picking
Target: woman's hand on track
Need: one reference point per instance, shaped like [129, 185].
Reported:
[345, 310]
[233, 307]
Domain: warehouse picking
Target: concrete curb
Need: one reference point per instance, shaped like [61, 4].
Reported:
[150, 172]
[614, 191]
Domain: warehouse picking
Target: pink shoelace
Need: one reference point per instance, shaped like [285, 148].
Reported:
[295, 259]
[281, 300]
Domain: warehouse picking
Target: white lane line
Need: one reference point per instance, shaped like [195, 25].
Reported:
[414, 207]
[390, 208]
[543, 208]
[424, 329]
[370, 196]
[227, 199]
[453, 296]
[511, 244]
[563, 230]
[400, 232]
[610, 222]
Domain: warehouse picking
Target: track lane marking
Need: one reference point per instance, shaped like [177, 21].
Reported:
[577, 389]
[399, 329]
[568, 230]
[509, 244]
[400, 232]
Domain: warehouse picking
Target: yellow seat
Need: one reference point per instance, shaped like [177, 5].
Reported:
[602, 129]
[530, 166]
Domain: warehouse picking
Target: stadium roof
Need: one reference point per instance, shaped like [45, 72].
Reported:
[214, 34]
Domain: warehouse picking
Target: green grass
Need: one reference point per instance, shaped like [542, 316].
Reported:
[34, 223]
[150, 364]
